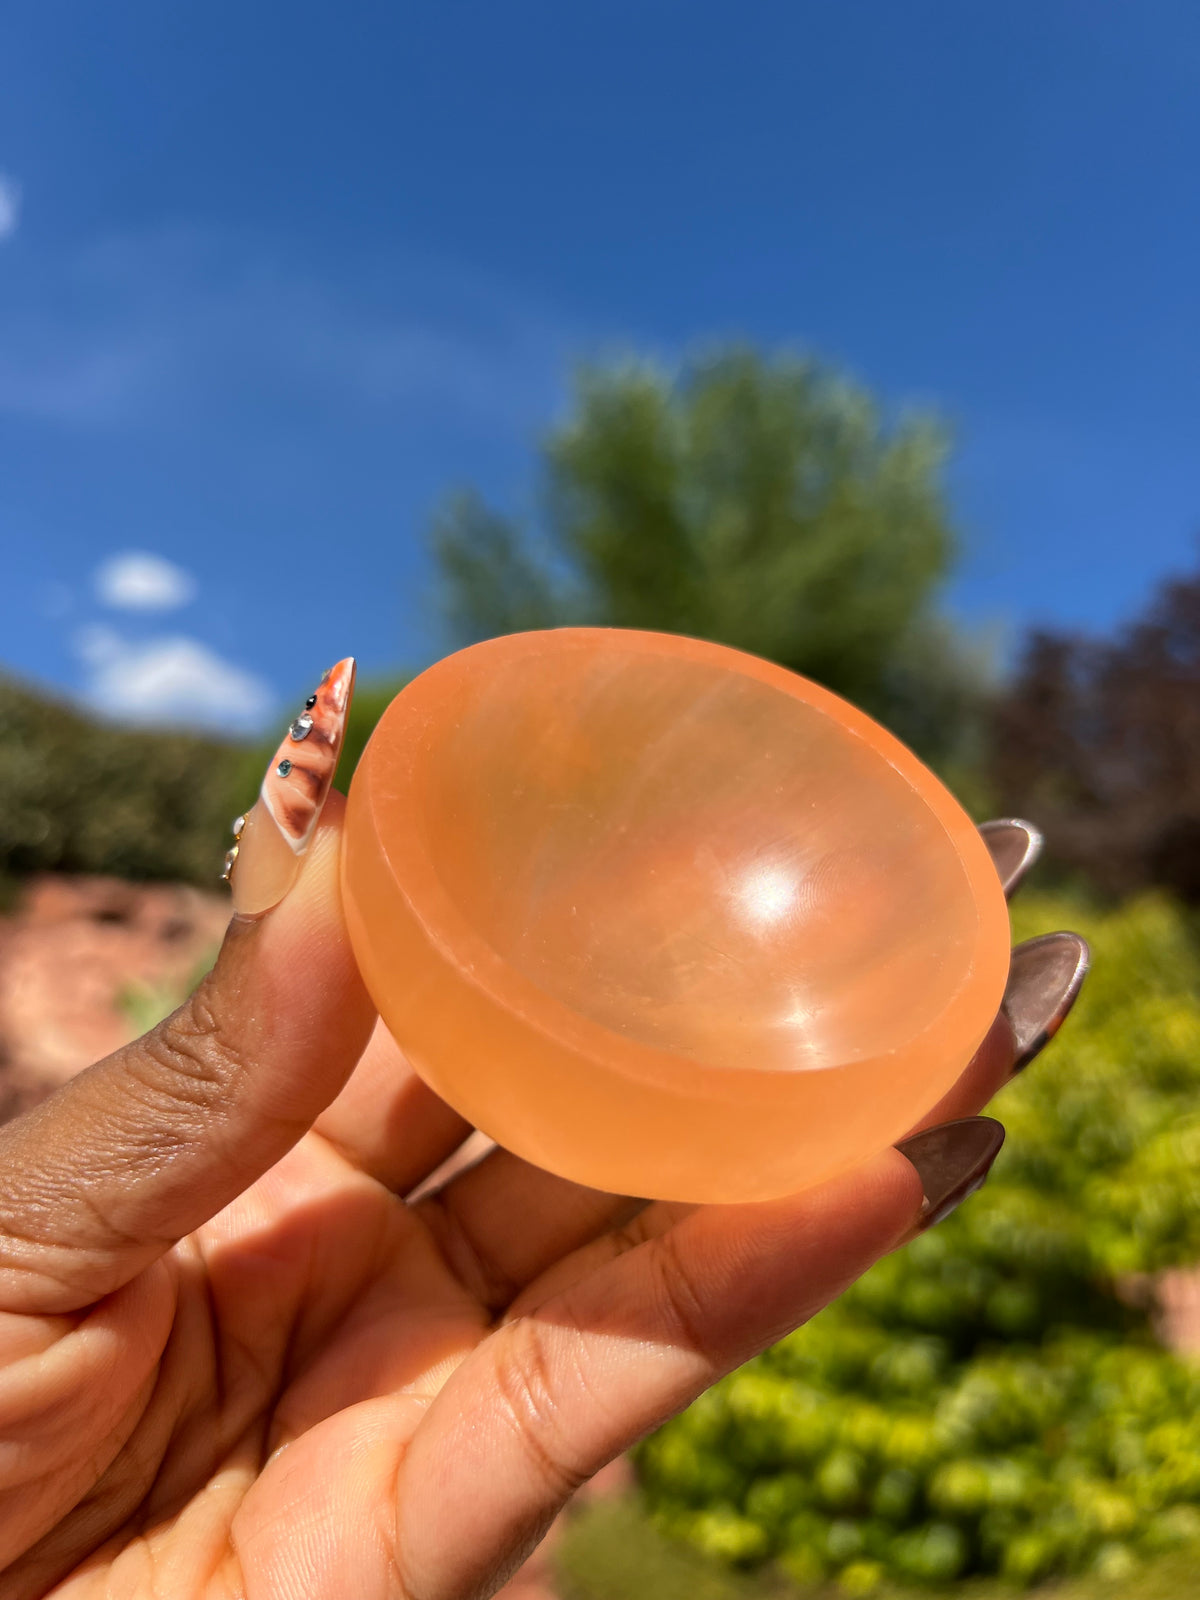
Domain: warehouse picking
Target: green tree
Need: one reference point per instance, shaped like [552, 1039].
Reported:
[1099, 739]
[759, 502]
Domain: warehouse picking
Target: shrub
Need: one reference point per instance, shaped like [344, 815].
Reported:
[985, 1401]
[80, 795]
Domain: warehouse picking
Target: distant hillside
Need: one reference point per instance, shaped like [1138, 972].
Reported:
[81, 795]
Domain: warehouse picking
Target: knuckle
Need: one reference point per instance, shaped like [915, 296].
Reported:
[525, 1384]
[643, 1225]
[680, 1299]
[480, 1275]
[193, 1056]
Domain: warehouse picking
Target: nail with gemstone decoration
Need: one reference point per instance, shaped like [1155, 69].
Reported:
[271, 839]
[952, 1162]
[237, 829]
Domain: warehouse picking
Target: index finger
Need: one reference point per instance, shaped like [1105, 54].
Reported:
[553, 1395]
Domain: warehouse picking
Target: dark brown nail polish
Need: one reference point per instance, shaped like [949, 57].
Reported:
[1044, 981]
[952, 1162]
[1014, 846]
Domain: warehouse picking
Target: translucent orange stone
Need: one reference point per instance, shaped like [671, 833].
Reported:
[665, 918]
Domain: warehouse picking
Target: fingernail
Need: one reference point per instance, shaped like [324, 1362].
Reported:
[1044, 980]
[952, 1162]
[271, 839]
[1014, 846]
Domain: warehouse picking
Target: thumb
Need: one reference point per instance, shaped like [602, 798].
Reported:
[131, 1155]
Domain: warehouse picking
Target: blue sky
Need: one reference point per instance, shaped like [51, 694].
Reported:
[273, 278]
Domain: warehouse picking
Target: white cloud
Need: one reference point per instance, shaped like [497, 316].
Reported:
[135, 580]
[170, 680]
[10, 206]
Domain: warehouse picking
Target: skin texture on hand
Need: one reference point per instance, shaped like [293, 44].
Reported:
[234, 1363]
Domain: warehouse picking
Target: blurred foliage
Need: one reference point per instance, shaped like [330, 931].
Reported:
[1100, 740]
[78, 794]
[761, 503]
[611, 1551]
[371, 700]
[986, 1401]
[146, 1004]
[81, 795]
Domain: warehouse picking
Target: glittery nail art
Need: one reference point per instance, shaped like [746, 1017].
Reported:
[299, 777]
[275, 833]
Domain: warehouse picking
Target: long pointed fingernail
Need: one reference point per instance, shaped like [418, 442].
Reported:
[1014, 846]
[271, 839]
[1044, 980]
[952, 1162]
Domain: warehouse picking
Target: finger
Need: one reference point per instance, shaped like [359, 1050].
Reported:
[505, 1222]
[984, 1075]
[143, 1147]
[1044, 980]
[501, 1223]
[389, 1124]
[274, 835]
[551, 1396]
[1014, 846]
[498, 1220]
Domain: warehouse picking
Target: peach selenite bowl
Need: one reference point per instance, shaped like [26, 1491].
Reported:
[664, 918]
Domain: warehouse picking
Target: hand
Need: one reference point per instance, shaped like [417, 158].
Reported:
[235, 1362]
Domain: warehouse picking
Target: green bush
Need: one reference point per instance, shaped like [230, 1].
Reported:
[986, 1401]
[81, 795]
[609, 1550]
[371, 700]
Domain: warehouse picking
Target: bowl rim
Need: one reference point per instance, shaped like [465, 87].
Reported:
[412, 725]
